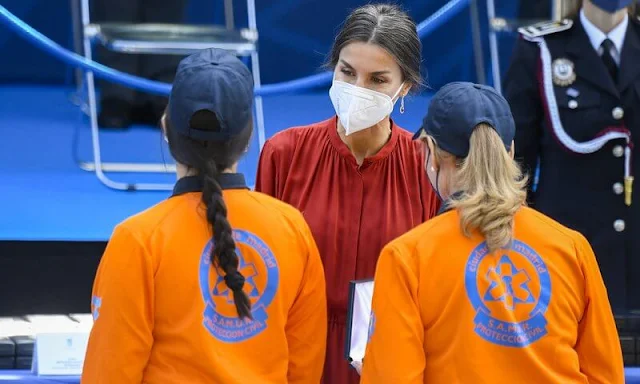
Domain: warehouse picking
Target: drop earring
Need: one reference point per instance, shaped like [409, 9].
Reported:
[402, 105]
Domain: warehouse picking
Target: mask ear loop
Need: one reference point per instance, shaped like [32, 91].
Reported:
[163, 126]
[435, 187]
[438, 184]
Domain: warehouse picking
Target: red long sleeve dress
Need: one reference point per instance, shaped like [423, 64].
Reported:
[353, 211]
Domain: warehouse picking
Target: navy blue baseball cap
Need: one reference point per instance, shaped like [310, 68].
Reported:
[213, 80]
[457, 108]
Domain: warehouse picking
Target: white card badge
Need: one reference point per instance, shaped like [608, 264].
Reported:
[60, 345]
[359, 313]
[56, 354]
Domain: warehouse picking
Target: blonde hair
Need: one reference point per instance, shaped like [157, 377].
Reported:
[570, 8]
[493, 187]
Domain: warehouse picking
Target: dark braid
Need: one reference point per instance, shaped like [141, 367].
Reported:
[208, 159]
[223, 254]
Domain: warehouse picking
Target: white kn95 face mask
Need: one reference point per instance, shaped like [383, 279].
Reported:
[360, 108]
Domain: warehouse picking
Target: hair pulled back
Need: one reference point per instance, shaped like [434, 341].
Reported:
[208, 159]
[389, 27]
[493, 185]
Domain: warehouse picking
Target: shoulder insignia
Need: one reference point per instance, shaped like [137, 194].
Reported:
[545, 28]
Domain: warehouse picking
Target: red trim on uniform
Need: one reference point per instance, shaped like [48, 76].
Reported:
[547, 114]
[621, 129]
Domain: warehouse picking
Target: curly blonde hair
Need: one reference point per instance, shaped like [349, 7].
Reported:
[494, 188]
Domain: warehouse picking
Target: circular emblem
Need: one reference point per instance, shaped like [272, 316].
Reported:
[261, 284]
[510, 294]
[563, 72]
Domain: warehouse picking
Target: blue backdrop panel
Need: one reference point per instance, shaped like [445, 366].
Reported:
[48, 197]
[295, 37]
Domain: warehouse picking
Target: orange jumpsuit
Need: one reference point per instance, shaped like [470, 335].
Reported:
[164, 315]
[446, 311]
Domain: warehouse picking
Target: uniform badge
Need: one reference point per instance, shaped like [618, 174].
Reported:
[510, 295]
[563, 72]
[262, 278]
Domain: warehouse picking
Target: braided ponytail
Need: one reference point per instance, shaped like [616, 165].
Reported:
[223, 254]
[208, 159]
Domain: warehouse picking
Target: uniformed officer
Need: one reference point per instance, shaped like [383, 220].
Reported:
[574, 88]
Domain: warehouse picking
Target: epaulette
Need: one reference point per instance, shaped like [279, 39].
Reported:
[545, 28]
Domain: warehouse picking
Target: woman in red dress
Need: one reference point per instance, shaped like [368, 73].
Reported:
[357, 177]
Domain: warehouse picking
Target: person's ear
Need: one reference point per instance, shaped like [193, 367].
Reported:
[405, 90]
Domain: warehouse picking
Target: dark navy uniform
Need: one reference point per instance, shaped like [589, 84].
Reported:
[580, 124]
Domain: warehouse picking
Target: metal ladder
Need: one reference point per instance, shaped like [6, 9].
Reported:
[172, 39]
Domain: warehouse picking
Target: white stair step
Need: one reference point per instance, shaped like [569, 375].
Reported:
[172, 39]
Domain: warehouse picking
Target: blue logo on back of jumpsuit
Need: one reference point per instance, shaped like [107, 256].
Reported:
[510, 294]
[261, 284]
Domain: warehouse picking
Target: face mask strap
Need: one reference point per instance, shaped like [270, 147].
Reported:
[398, 91]
[437, 184]
[401, 98]
[436, 187]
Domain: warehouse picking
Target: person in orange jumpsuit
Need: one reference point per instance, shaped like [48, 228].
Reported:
[217, 284]
[489, 291]
[357, 177]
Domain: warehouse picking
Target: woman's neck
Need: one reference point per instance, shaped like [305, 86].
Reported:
[605, 21]
[184, 171]
[367, 142]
